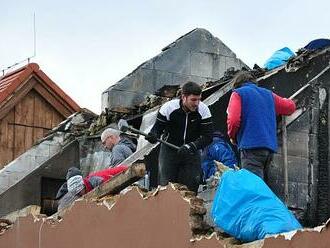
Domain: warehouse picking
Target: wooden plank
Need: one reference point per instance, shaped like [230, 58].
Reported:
[19, 131]
[28, 108]
[10, 135]
[119, 182]
[44, 116]
[28, 138]
[24, 114]
[19, 142]
[28, 112]
[56, 102]
[39, 118]
[5, 141]
[49, 116]
[56, 119]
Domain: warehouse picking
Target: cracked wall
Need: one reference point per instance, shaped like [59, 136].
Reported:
[159, 221]
[133, 219]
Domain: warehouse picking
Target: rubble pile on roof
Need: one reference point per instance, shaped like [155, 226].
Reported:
[4, 225]
[75, 125]
[167, 92]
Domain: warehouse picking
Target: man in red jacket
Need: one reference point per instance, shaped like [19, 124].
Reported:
[251, 121]
[78, 186]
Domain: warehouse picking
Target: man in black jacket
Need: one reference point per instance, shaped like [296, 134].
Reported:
[187, 123]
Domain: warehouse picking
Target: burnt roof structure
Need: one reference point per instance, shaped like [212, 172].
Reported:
[196, 56]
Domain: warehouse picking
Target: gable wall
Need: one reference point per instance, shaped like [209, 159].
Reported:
[30, 119]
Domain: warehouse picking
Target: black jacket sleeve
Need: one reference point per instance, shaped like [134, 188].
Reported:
[159, 126]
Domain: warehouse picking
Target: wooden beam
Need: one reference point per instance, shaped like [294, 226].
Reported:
[119, 182]
[23, 125]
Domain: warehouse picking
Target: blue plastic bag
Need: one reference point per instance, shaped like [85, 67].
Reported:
[247, 209]
[279, 58]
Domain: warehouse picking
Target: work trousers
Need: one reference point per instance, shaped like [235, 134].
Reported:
[179, 169]
[256, 161]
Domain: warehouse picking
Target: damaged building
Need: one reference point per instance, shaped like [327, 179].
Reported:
[171, 216]
[197, 56]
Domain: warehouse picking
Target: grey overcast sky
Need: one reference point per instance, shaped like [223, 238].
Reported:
[86, 46]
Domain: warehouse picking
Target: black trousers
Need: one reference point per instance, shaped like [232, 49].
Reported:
[256, 161]
[179, 169]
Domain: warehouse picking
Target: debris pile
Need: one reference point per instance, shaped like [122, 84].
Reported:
[4, 225]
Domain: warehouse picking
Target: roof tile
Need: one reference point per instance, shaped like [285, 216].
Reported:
[11, 81]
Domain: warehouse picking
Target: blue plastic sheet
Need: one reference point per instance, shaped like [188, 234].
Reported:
[247, 209]
[279, 58]
[318, 44]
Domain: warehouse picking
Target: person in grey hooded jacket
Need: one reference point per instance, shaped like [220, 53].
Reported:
[120, 147]
[72, 171]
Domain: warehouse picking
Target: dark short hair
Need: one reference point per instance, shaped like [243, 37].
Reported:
[191, 88]
[241, 77]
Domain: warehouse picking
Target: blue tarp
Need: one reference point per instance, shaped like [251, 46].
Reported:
[279, 58]
[317, 44]
[247, 209]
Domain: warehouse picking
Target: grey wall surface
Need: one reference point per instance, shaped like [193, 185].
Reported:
[197, 56]
[298, 161]
[308, 142]
[28, 190]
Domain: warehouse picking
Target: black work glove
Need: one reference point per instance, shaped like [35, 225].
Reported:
[187, 149]
[152, 138]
